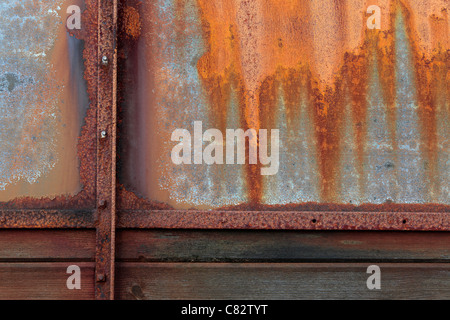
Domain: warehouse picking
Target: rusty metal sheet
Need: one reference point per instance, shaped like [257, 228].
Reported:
[46, 156]
[363, 114]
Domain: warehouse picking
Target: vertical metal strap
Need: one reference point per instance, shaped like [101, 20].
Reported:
[106, 149]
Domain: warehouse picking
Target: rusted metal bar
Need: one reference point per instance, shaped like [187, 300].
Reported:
[184, 219]
[47, 106]
[46, 219]
[106, 149]
[286, 220]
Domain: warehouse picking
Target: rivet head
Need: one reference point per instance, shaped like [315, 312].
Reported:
[105, 60]
[101, 277]
[103, 134]
[102, 204]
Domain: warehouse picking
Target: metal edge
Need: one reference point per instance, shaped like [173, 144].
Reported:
[284, 220]
[252, 220]
[106, 149]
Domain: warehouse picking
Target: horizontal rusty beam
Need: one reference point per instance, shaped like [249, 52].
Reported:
[284, 220]
[265, 220]
[48, 219]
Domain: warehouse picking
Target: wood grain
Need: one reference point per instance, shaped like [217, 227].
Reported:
[156, 264]
[47, 245]
[281, 246]
[44, 281]
[227, 246]
[279, 281]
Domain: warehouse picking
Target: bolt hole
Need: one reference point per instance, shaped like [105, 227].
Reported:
[313, 220]
[404, 221]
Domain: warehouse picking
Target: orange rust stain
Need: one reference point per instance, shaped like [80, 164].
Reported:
[251, 54]
[430, 72]
[131, 22]
[238, 46]
[258, 51]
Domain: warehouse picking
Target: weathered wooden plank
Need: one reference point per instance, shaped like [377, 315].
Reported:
[179, 245]
[46, 218]
[230, 281]
[47, 245]
[39, 281]
[160, 245]
[376, 218]
[279, 281]
[281, 246]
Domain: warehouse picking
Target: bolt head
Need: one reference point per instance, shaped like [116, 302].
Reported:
[102, 204]
[101, 277]
[104, 60]
[103, 134]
